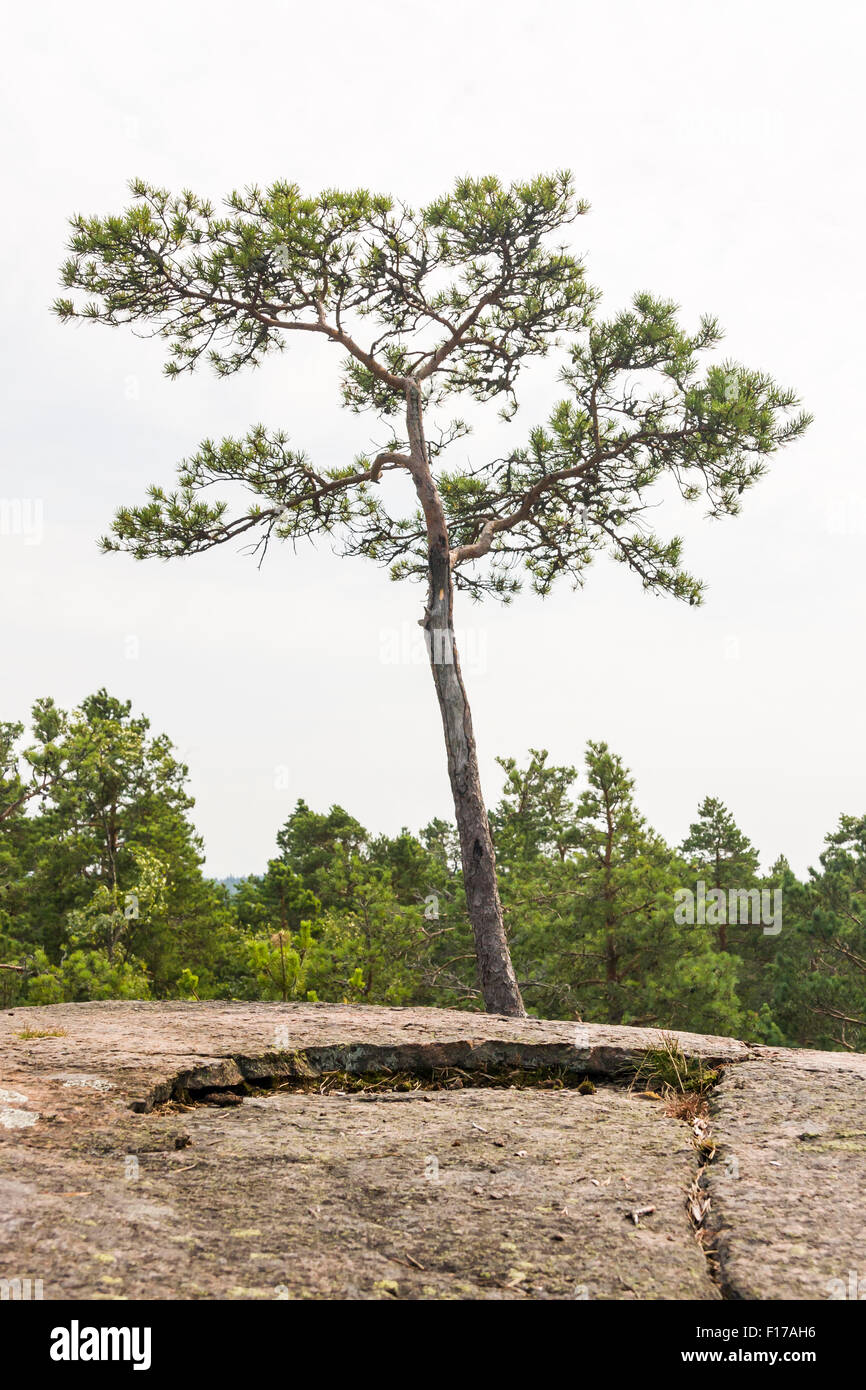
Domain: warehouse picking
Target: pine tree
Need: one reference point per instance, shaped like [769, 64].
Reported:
[721, 855]
[535, 816]
[595, 934]
[108, 865]
[452, 300]
[819, 994]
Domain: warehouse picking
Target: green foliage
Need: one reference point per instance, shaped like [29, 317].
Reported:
[280, 963]
[453, 299]
[85, 975]
[722, 857]
[187, 984]
[819, 970]
[640, 411]
[277, 901]
[102, 896]
[593, 932]
[103, 857]
[225, 287]
[106, 922]
[717, 849]
[666, 1067]
[534, 817]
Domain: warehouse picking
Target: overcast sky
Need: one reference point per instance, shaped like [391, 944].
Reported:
[721, 148]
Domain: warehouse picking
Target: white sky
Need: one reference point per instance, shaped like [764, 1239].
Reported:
[720, 148]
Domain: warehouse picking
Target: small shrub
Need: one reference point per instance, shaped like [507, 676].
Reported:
[667, 1069]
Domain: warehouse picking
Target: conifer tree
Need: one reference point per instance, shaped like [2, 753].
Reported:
[108, 870]
[452, 300]
[819, 971]
[594, 929]
[718, 850]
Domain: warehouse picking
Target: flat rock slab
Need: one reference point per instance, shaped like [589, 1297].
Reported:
[108, 1192]
[468, 1194]
[788, 1183]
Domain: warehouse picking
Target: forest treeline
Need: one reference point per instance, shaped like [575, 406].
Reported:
[102, 895]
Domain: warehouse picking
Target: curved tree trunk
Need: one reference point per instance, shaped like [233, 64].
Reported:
[496, 975]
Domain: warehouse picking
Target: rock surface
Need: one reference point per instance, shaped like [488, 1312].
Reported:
[788, 1183]
[112, 1186]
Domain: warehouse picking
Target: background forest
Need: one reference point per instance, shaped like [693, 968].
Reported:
[102, 895]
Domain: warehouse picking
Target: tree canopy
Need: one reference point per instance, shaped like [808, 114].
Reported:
[456, 297]
[428, 307]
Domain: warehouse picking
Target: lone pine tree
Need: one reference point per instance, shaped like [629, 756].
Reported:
[426, 306]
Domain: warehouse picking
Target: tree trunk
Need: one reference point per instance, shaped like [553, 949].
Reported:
[499, 986]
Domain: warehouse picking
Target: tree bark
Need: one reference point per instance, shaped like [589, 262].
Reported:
[498, 982]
